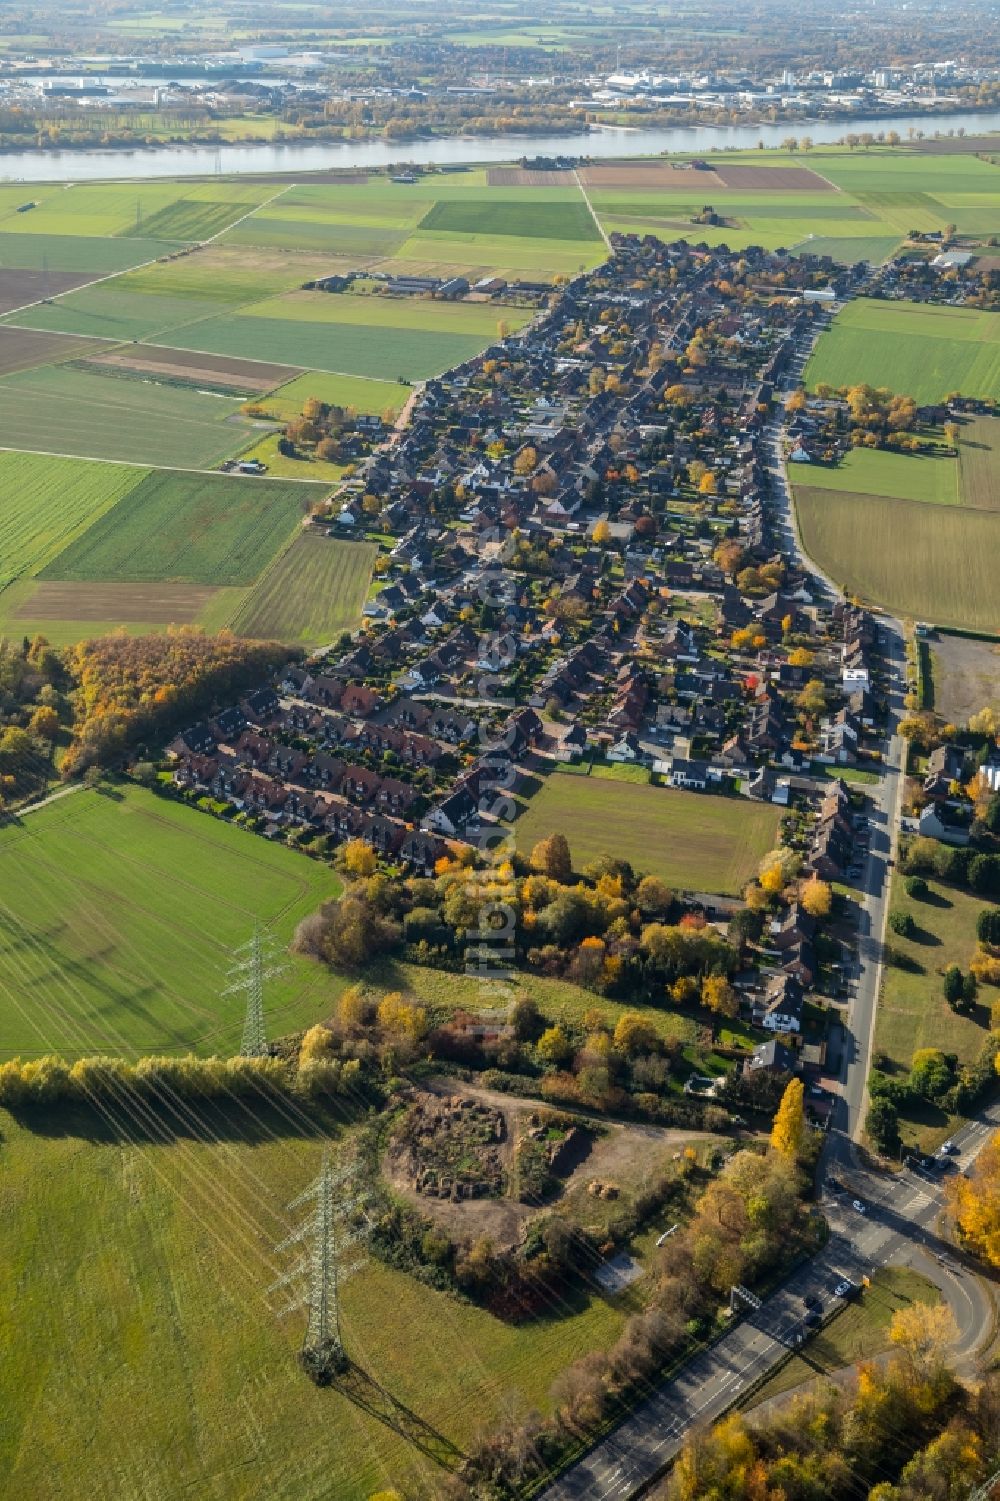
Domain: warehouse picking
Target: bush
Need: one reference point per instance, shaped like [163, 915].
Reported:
[903, 924]
[916, 887]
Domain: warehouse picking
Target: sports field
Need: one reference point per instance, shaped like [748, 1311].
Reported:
[921, 351]
[105, 416]
[927, 562]
[932, 478]
[119, 911]
[693, 841]
[311, 592]
[188, 528]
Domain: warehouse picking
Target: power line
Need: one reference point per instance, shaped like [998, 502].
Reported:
[253, 965]
[330, 1236]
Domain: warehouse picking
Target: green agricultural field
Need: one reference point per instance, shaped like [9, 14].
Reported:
[120, 910]
[913, 1012]
[338, 390]
[979, 465]
[67, 411]
[310, 593]
[188, 528]
[866, 471]
[68, 252]
[431, 252]
[224, 274]
[872, 248]
[920, 351]
[112, 311]
[380, 353]
[527, 218]
[475, 319]
[162, 1256]
[191, 219]
[93, 209]
[921, 561]
[48, 502]
[329, 235]
[693, 841]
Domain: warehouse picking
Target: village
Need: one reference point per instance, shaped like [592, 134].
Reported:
[577, 527]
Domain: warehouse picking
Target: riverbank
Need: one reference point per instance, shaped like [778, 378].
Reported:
[597, 142]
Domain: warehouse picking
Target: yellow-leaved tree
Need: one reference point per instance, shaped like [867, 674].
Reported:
[976, 1202]
[789, 1126]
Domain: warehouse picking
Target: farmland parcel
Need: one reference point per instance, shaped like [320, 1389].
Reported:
[920, 351]
[106, 416]
[118, 917]
[311, 592]
[924, 561]
[192, 528]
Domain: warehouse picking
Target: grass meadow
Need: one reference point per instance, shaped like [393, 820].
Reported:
[162, 1255]
[359, 392]
[912, 1011]
[932, 478]
[188, 528]
[119, 912]
[691, 840]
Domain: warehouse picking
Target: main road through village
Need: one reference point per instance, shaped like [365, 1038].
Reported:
[901, 1210]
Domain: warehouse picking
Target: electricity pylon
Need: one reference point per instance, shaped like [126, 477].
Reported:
[253, 965]
[329, 1236]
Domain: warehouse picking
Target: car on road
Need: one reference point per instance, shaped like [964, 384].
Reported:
[812, 1320]
[948, 1149]
[811, 1300]
[845, 1289]
[834, 1185]
[859, 1206]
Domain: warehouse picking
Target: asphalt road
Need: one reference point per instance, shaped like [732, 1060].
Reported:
[897, 1223]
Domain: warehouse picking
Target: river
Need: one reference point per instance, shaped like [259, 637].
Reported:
[232, 160]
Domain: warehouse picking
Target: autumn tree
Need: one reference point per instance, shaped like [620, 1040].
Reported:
[816, 897]
[551, 856]
[634, 1034]
[316, 1044]
[601, 533]
[924, 1332]
[976, 1204]
[400, 1018]
[718, 996]
[357, 859]
[788, 1129]
[554, 1045]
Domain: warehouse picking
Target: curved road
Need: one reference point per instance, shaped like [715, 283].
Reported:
[901, 1211]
